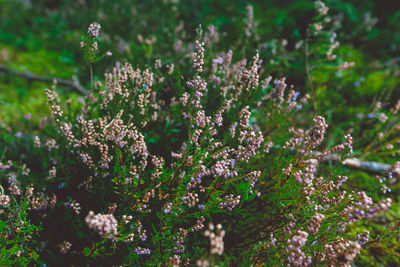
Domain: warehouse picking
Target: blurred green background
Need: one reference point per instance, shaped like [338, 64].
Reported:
[43, 37]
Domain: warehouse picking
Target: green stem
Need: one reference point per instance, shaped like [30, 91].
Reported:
[308, 72]
[91, 81]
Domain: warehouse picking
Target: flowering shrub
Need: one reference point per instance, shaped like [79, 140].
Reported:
[18, 233]
[154, 154]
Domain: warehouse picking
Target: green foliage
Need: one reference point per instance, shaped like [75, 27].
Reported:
[17, 247]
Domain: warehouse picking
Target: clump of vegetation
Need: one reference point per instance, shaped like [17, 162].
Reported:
[205, 160]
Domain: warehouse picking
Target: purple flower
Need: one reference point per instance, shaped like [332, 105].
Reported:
[94, 29]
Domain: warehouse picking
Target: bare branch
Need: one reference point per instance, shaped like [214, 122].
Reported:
[370, 166]
[74, 84]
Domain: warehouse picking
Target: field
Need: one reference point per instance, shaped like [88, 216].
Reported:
[199, 133]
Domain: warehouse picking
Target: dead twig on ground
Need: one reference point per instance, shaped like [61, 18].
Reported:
[73, 85]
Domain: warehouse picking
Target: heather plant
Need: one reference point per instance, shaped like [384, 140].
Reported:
[213, 164]
[19, 235]
[168, 197]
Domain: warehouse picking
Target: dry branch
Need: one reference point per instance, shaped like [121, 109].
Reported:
[74, 84]
[371, 166]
